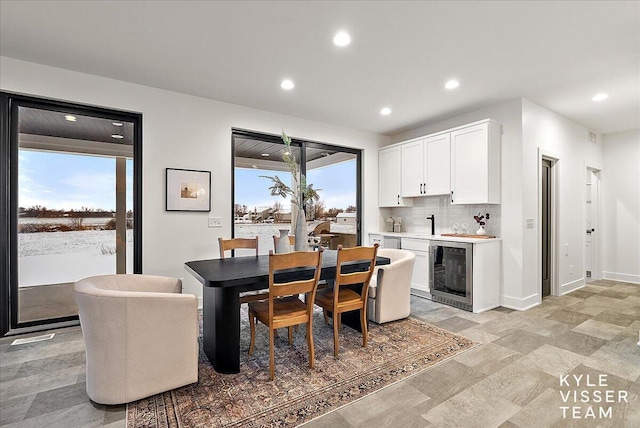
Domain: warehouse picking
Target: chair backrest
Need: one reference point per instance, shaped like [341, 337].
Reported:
[296, 259]
[235, 243]
[355, 254]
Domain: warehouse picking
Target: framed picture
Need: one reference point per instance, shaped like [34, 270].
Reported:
[188, 190]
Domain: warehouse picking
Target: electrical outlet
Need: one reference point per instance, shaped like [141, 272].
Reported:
[530, 223]
[566, 249]
[215, 221]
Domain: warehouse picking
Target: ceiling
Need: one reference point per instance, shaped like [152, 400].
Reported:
[557, 54]
[53, 124]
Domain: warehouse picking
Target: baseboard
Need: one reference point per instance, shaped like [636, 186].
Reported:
[571, 286]
[520, 304]
[623, 277]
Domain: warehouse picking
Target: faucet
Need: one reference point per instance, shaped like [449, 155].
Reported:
[433, 224]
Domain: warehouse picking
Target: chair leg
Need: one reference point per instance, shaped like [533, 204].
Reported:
[326, 318]
[310, 345]
[335, 333]
[252, 324]
[272, 370]
[290, 335]
[363, 326]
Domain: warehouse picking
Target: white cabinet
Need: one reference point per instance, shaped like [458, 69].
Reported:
[420, 276]
[426, 166]
[475, 164]
[390, 179]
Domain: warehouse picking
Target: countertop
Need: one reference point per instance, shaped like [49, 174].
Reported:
[428, 237]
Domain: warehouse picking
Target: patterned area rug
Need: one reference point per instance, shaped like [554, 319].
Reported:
[298, 394]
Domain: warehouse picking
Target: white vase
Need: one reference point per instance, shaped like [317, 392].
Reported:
[302, 244]
[283, 242]
[481, 231]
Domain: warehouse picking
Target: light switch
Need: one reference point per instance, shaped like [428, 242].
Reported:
[215, 221]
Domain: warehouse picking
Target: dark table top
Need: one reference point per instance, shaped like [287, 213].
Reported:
[247, 270]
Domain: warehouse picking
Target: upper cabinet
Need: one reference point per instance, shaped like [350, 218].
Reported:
[426, 166]
[390, 179]
[475, 164]
[463, 162]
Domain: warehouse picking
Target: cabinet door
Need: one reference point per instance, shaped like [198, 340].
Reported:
[469, 165]
[412, 169]
[389, 178]
[420, 277]
[437, 161]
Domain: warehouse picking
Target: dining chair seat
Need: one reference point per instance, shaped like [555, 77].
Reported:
[285, 311]
[346, 298]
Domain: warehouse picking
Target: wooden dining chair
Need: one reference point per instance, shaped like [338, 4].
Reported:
[237, 243]
[242, 243]
[340, 298]
[283, 308]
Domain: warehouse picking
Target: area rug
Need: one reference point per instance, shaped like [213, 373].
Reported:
[298, 394]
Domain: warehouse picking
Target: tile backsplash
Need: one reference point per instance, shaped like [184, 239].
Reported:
[446, 214]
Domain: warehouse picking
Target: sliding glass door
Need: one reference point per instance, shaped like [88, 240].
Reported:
[74, 202]
[334, 171]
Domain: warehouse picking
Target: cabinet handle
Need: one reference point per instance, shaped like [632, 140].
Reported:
[424, 187]
[421, 188]
[398, 199]
[452, 196]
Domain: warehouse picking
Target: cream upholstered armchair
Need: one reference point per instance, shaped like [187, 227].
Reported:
[140, 333]
[390, 287]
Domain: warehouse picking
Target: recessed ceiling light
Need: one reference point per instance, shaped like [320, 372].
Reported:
[266, 155]
[452, 84]
[341, 39]
[70, 118]
[117, 136]
[386, 111]
[600, 97]
[117, 123]
[287, 85]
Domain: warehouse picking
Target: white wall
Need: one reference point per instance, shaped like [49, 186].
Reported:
[546, 132]
[184, 131]
[621, 207]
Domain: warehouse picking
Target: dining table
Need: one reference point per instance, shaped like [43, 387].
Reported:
[224, 280]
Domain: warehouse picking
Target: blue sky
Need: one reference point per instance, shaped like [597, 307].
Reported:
[338, 184]
[66, 181]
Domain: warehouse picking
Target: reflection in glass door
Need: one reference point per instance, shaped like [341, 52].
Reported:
[72, 206]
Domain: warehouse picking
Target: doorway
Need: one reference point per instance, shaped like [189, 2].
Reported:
[73, 205]
[546, 225]
[592, 210]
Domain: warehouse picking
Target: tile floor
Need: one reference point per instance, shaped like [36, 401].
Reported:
[511, 379]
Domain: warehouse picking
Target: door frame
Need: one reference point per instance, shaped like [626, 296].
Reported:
[554, 158]
[9, 103]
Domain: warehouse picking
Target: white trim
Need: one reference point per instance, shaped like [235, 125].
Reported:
[446, 131]
[200, 304]
[596, 241]
[623, 277]
[520, 304]
[572, 286]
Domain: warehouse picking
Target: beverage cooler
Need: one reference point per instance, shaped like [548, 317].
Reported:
[451, 273]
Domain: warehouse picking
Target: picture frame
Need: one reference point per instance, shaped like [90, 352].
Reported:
[188, 190]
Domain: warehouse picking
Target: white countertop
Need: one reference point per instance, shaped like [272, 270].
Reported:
[428, 237]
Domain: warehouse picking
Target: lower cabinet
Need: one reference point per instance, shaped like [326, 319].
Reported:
[420, 277]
